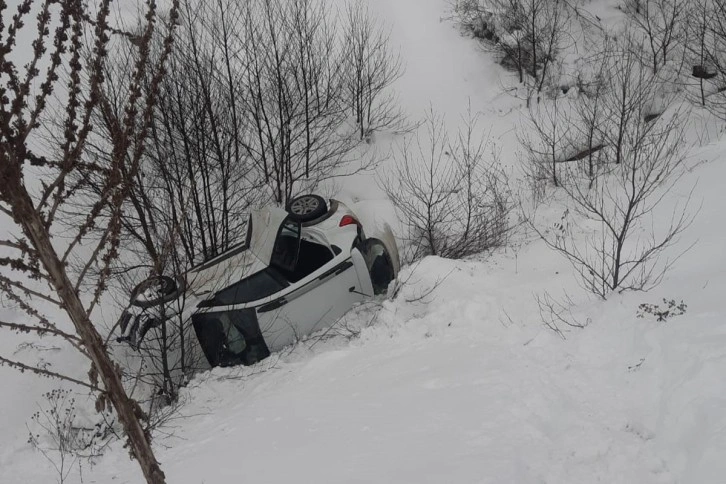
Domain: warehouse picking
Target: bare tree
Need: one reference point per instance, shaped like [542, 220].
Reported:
[528, 34]
[588, 135]
[547, 141]
[698, 45]
[630, 89]
[195, 184]
[294, 95]
[41, 245]
[619, 257]
[645, 159]
[370, 69]
[452, 200]
[484, 199]
[662, 23]
[705, 47]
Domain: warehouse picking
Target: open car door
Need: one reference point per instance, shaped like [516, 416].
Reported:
[275, 238]
[316, 302]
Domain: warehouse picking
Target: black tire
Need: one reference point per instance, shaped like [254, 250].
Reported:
[307, 207]
[154, 291]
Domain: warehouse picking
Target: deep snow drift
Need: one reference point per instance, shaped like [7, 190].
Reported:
[457, 380]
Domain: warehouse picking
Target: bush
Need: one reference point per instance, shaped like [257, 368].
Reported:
[453, 201]
[640, 160]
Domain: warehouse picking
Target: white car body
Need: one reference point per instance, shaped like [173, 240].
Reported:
[288, 280]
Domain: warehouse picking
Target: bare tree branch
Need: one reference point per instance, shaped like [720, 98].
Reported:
[45, 372]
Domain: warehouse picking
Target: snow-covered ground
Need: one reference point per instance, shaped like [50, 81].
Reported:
[457, 380]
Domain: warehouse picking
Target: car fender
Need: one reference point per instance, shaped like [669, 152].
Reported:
[364, 278]
[385, 235]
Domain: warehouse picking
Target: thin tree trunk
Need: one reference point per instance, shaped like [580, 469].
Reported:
[127, 409]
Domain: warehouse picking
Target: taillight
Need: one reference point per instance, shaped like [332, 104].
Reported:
[348, 220]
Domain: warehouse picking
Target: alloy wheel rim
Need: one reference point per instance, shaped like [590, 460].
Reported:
[304, 205]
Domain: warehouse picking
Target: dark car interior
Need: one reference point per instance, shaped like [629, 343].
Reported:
[312, 257]
[295, 258]
[230, 337]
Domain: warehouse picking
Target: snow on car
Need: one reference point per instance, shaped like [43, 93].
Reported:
[298, 271]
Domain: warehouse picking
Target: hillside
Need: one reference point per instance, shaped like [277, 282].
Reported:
[458, 379]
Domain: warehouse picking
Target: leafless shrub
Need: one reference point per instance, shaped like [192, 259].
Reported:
[557, 315]
[293, 85]
[528, 35]
[572, 136]
[350, 330]
[624, 251]
[587, 137]
[705, 47]
[547, 142]
[57, 433]
[662, 22]
[60, 441]
[640, 160]
[370, 69]
[196, 183]
[469, 14]
[165, 418]
[452, 199]
[564, 138]
[630, 91]
[165, 355]
[273, 86]
[698, 47]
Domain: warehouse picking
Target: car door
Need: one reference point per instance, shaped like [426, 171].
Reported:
[314, 303]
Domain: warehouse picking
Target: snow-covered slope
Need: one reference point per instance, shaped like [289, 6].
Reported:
[457, 380]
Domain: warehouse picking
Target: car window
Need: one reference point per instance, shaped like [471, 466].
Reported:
[252, 288]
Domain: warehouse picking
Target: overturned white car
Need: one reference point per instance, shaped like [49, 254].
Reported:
[299, 270]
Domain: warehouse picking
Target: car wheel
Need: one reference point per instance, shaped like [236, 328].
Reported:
[379, 263]
[307, 207]
[154, 291]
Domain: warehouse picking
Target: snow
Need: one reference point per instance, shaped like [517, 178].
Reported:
[457, 379]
